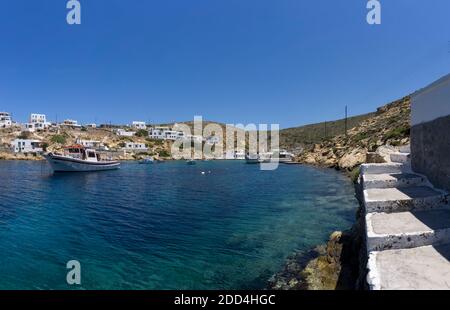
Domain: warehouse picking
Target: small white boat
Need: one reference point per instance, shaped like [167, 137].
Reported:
[146, 161]
[285, 156]
[281, 156]
[79, 159]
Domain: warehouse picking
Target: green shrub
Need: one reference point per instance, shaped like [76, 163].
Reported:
[156, 142]
[24, 135]
[45, 146]
[354, 174]
[361, 136]
[141, 133]
[397, 133]
[164, 153]
[61, 139]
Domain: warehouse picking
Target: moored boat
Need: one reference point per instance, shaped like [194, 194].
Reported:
[147, 161]
[252, 159]
[281, 156]
[76, 158]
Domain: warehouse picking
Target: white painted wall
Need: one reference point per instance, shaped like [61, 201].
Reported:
[432, 102]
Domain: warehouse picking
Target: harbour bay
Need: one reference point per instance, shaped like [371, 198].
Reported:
[214, 225]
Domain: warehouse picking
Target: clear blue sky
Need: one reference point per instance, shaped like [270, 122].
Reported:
[290, 62]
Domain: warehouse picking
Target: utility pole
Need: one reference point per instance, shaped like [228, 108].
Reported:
[346, 121]
[325, 129]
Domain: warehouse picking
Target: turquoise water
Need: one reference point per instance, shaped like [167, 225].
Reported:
[164, 226]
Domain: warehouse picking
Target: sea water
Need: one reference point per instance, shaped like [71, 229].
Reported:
[213, 225]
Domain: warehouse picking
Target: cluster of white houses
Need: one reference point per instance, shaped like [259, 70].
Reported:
[39, 122]
[36, 122]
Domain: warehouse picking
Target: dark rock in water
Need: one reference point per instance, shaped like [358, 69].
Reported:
[338, 265]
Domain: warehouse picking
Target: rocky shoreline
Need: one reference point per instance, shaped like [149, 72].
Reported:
[337, 265]
[340, 264]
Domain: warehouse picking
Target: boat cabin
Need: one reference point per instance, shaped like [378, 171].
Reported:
[80, 152]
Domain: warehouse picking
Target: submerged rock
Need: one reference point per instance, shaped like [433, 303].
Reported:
[334, 266]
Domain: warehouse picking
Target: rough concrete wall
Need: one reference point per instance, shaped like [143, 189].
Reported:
[430, 151]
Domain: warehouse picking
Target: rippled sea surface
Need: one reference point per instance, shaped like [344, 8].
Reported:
[164, 226]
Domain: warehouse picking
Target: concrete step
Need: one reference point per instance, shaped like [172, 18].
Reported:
[402, 199]
[405, 149]
[386, 231]
[421, 268]
[402, 158]
[383, 168]
[385, 180]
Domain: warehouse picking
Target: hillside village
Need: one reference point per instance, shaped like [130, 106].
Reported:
[130, 142]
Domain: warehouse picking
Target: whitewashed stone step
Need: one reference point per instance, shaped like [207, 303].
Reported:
[385, 180]
[405, 149]
[383, 168]
[421, 268]
[402, 199]
[403, 230]
[402, 158]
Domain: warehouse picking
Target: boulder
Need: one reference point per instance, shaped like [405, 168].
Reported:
[353, 159]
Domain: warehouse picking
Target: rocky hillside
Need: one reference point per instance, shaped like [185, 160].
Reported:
[389, 125]
[299, 138]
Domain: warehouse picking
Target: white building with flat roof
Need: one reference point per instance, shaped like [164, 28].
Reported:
[33, 127]
[139, 125]
[70, 123]
[123, 133]
[133, 146]
[38, 118]
[5, 120]
[166, 133]
[194, 138]
[158, 133]
[26, 146]
[211, 140]
[89, 143]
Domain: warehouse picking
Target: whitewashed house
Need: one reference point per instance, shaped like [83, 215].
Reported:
[91, 125]
[26, 146]
[158, 133]
[239, 155]
[229, 155]
[39, 121]
[211, 140]
[139, 125]
[234, 155]
[33, 127]
[166, 133]
[173, 135]
[70, 123]
[89, 143]
[133, 146]
[5, 120]
[194, 138]
[123, 133]
[28, 127]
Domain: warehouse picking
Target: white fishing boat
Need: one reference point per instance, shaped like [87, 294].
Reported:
[146, 161]
[281, 156]
[252, 159]
[285, 157]
[77, 158]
